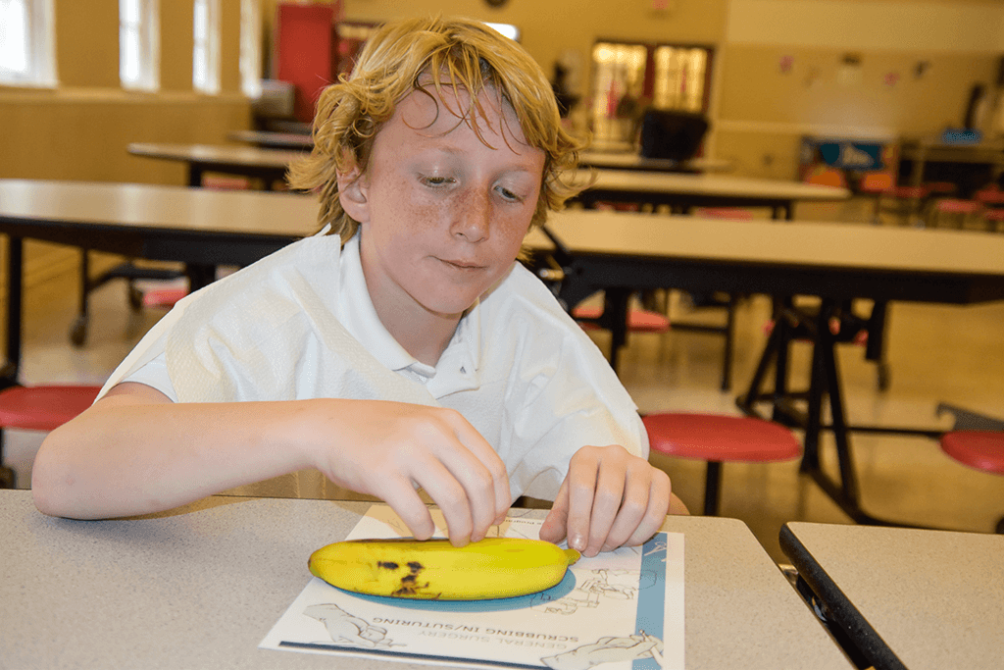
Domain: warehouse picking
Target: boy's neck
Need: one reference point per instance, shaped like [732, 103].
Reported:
[424, 336]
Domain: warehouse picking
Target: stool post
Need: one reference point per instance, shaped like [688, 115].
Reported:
[712, 488]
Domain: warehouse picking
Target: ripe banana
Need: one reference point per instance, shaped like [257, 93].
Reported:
[435, 569]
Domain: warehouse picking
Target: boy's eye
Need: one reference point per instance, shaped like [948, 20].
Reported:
[508, 195]
[437, 181]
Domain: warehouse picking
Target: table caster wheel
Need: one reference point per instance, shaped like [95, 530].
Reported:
[78, 332]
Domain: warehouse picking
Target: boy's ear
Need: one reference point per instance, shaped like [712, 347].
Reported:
[353, 191]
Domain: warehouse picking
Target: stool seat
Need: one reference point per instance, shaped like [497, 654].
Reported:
[718, 439]
[990, 196]
[981, 449]
[734, 213]
[43, 407]
[163, 298]
[711, 437]
[639, 320]
[917, 192]
[958, 206]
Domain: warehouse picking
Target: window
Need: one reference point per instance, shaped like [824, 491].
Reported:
[206, 54]
[506, 30]
[627, 78]
[250, 58]
[139, 44]
[27, 55]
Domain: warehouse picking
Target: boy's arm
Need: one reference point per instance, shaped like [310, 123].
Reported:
[609, 498]
[136, 452]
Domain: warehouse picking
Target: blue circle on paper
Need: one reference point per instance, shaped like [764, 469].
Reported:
[559, 590]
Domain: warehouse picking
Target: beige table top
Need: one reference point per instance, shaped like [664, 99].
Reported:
[201, 587]
[801, 244]
[272, 139]
[602, 159]
[935, 598]
[149, 206]
[934, 149]
[216, 154]
[706, 184]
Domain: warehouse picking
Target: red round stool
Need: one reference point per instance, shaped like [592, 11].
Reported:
[163, 298]
[956, 210]
[639, 320]
[980, 449]
[718, 439]
[39, 408]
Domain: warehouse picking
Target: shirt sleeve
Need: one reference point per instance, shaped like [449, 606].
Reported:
[562, 395]
[155, 375]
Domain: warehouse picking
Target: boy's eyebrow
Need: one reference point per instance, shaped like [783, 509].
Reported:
[456, 151]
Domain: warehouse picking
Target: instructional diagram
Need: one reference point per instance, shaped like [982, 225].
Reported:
[620, 610]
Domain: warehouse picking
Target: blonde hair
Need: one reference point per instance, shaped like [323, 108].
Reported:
[396, 61]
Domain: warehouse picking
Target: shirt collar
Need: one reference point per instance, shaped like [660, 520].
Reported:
[457, 367]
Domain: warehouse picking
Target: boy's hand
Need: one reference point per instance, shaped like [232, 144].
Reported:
[389, 449]
[610, 498]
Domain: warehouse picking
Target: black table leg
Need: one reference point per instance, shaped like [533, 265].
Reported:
[194, 175]
[15, 260]
[615, 319]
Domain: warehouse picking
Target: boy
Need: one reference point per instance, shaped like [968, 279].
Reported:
[408, 351]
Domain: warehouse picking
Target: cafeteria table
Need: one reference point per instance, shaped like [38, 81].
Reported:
[620, 253]
[905, 598]
[270, 139]
[201, 228]
[269, 165]
[976, 163]
[682, 192]
[635, 161]
[200, 587]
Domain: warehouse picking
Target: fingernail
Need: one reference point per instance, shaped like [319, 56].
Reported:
[577, 542]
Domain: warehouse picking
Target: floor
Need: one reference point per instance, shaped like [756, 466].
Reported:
[936, 354]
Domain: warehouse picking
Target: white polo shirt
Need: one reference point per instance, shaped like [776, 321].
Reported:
[299, 324]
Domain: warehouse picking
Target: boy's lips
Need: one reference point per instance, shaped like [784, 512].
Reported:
[462, 265]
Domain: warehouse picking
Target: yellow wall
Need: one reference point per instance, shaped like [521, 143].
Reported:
[759, 114]
[80, 130]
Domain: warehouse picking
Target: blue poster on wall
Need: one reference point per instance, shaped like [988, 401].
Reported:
[843, 154]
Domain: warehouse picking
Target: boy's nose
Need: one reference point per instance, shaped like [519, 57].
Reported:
[472, 219]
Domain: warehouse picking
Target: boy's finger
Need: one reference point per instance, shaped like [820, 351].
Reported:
[485, 491]
[451, 497]
[554, 529]
[607, 497]
[658, 508]
[582, 473]
[633, 508]
[405, 501]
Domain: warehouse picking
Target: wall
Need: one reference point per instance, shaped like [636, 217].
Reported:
[80, 130]
[759, 113]
[781, 77]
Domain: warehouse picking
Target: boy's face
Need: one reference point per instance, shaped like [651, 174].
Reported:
[442, 216]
